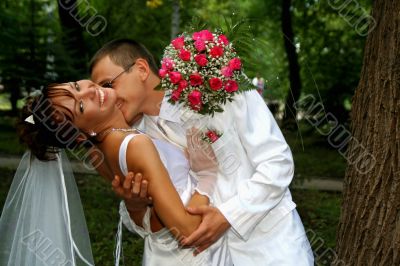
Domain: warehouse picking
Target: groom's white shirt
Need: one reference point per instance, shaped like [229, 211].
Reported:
[256, 167]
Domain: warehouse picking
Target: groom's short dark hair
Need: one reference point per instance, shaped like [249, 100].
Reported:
[123, 52]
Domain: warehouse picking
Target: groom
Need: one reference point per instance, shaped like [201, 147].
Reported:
[252, 203]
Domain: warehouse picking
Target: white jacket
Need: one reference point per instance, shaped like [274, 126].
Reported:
[256, 168]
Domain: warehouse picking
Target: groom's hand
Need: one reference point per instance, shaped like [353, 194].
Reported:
[212, 227]
[133, 190]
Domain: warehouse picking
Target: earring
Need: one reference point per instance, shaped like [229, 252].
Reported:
[93, 134]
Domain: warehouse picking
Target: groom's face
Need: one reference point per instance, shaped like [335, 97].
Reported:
[129, 87]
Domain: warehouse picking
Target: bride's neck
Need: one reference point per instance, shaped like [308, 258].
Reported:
[117, 120]
[107, 135]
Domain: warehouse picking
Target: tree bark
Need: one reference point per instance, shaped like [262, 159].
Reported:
[369, 227]
[13, 85]
[72, 34]
[289, 117]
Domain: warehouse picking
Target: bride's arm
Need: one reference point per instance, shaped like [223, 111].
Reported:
[143, 157]
[102, 168]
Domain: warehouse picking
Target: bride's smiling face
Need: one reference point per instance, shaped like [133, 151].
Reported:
[89, 105]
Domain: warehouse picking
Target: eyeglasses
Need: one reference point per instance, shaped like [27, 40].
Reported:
[108, 84]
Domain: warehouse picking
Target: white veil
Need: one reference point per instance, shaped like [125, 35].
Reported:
[42, 221]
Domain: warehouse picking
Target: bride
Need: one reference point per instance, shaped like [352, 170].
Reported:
[92, 109]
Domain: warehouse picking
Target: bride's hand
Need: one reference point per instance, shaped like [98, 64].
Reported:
[133, 190]
[201, 154]
[202, 162]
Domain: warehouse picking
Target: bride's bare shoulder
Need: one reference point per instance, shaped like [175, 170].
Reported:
[140, 141]
[141, 150]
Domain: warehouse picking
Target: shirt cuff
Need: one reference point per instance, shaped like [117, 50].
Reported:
[203, 188]
[242, 222]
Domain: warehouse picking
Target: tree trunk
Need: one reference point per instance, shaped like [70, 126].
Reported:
[369, 227]
[30, 82]
[175, 18]
[13, 86]
[289, 117]
[72, 25]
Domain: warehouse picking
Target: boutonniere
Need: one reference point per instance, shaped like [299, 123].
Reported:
[211, 136]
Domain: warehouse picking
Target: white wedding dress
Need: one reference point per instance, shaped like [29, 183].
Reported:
[161, 248]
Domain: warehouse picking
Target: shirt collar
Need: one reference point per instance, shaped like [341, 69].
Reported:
[169, 111]
[140, 124]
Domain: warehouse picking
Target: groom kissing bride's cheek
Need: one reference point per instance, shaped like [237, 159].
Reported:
[251, 218]
[197, 158]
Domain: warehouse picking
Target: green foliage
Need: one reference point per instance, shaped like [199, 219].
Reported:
[25, 41]
[133, 19]
[9, 143]
[313, 156]
[32, 51]
[254, 36]
[330, 53]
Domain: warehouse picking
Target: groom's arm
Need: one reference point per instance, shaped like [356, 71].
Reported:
[270, 155]
[272, 161]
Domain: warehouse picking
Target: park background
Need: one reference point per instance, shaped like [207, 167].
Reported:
[310, 49]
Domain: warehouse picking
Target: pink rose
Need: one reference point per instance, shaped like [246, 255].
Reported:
[162, 72]
[194, 99]
[216, 51]
[201, 60]
[175, 77]
[200, 45]
[231, 86]
[182, 84]
[178, 43]
[212, 136]
[195, 79]
[227, 72]
[184, 55]
[168, 64]
[222, 38]
[215, 83]
[196, 35]
[204, 35]
[176, 94]
[235, 64]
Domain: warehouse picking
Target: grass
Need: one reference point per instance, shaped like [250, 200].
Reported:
[319, 212]
[313, 155]
[101, 210]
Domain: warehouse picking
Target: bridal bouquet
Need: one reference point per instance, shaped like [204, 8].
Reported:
[201, 70]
